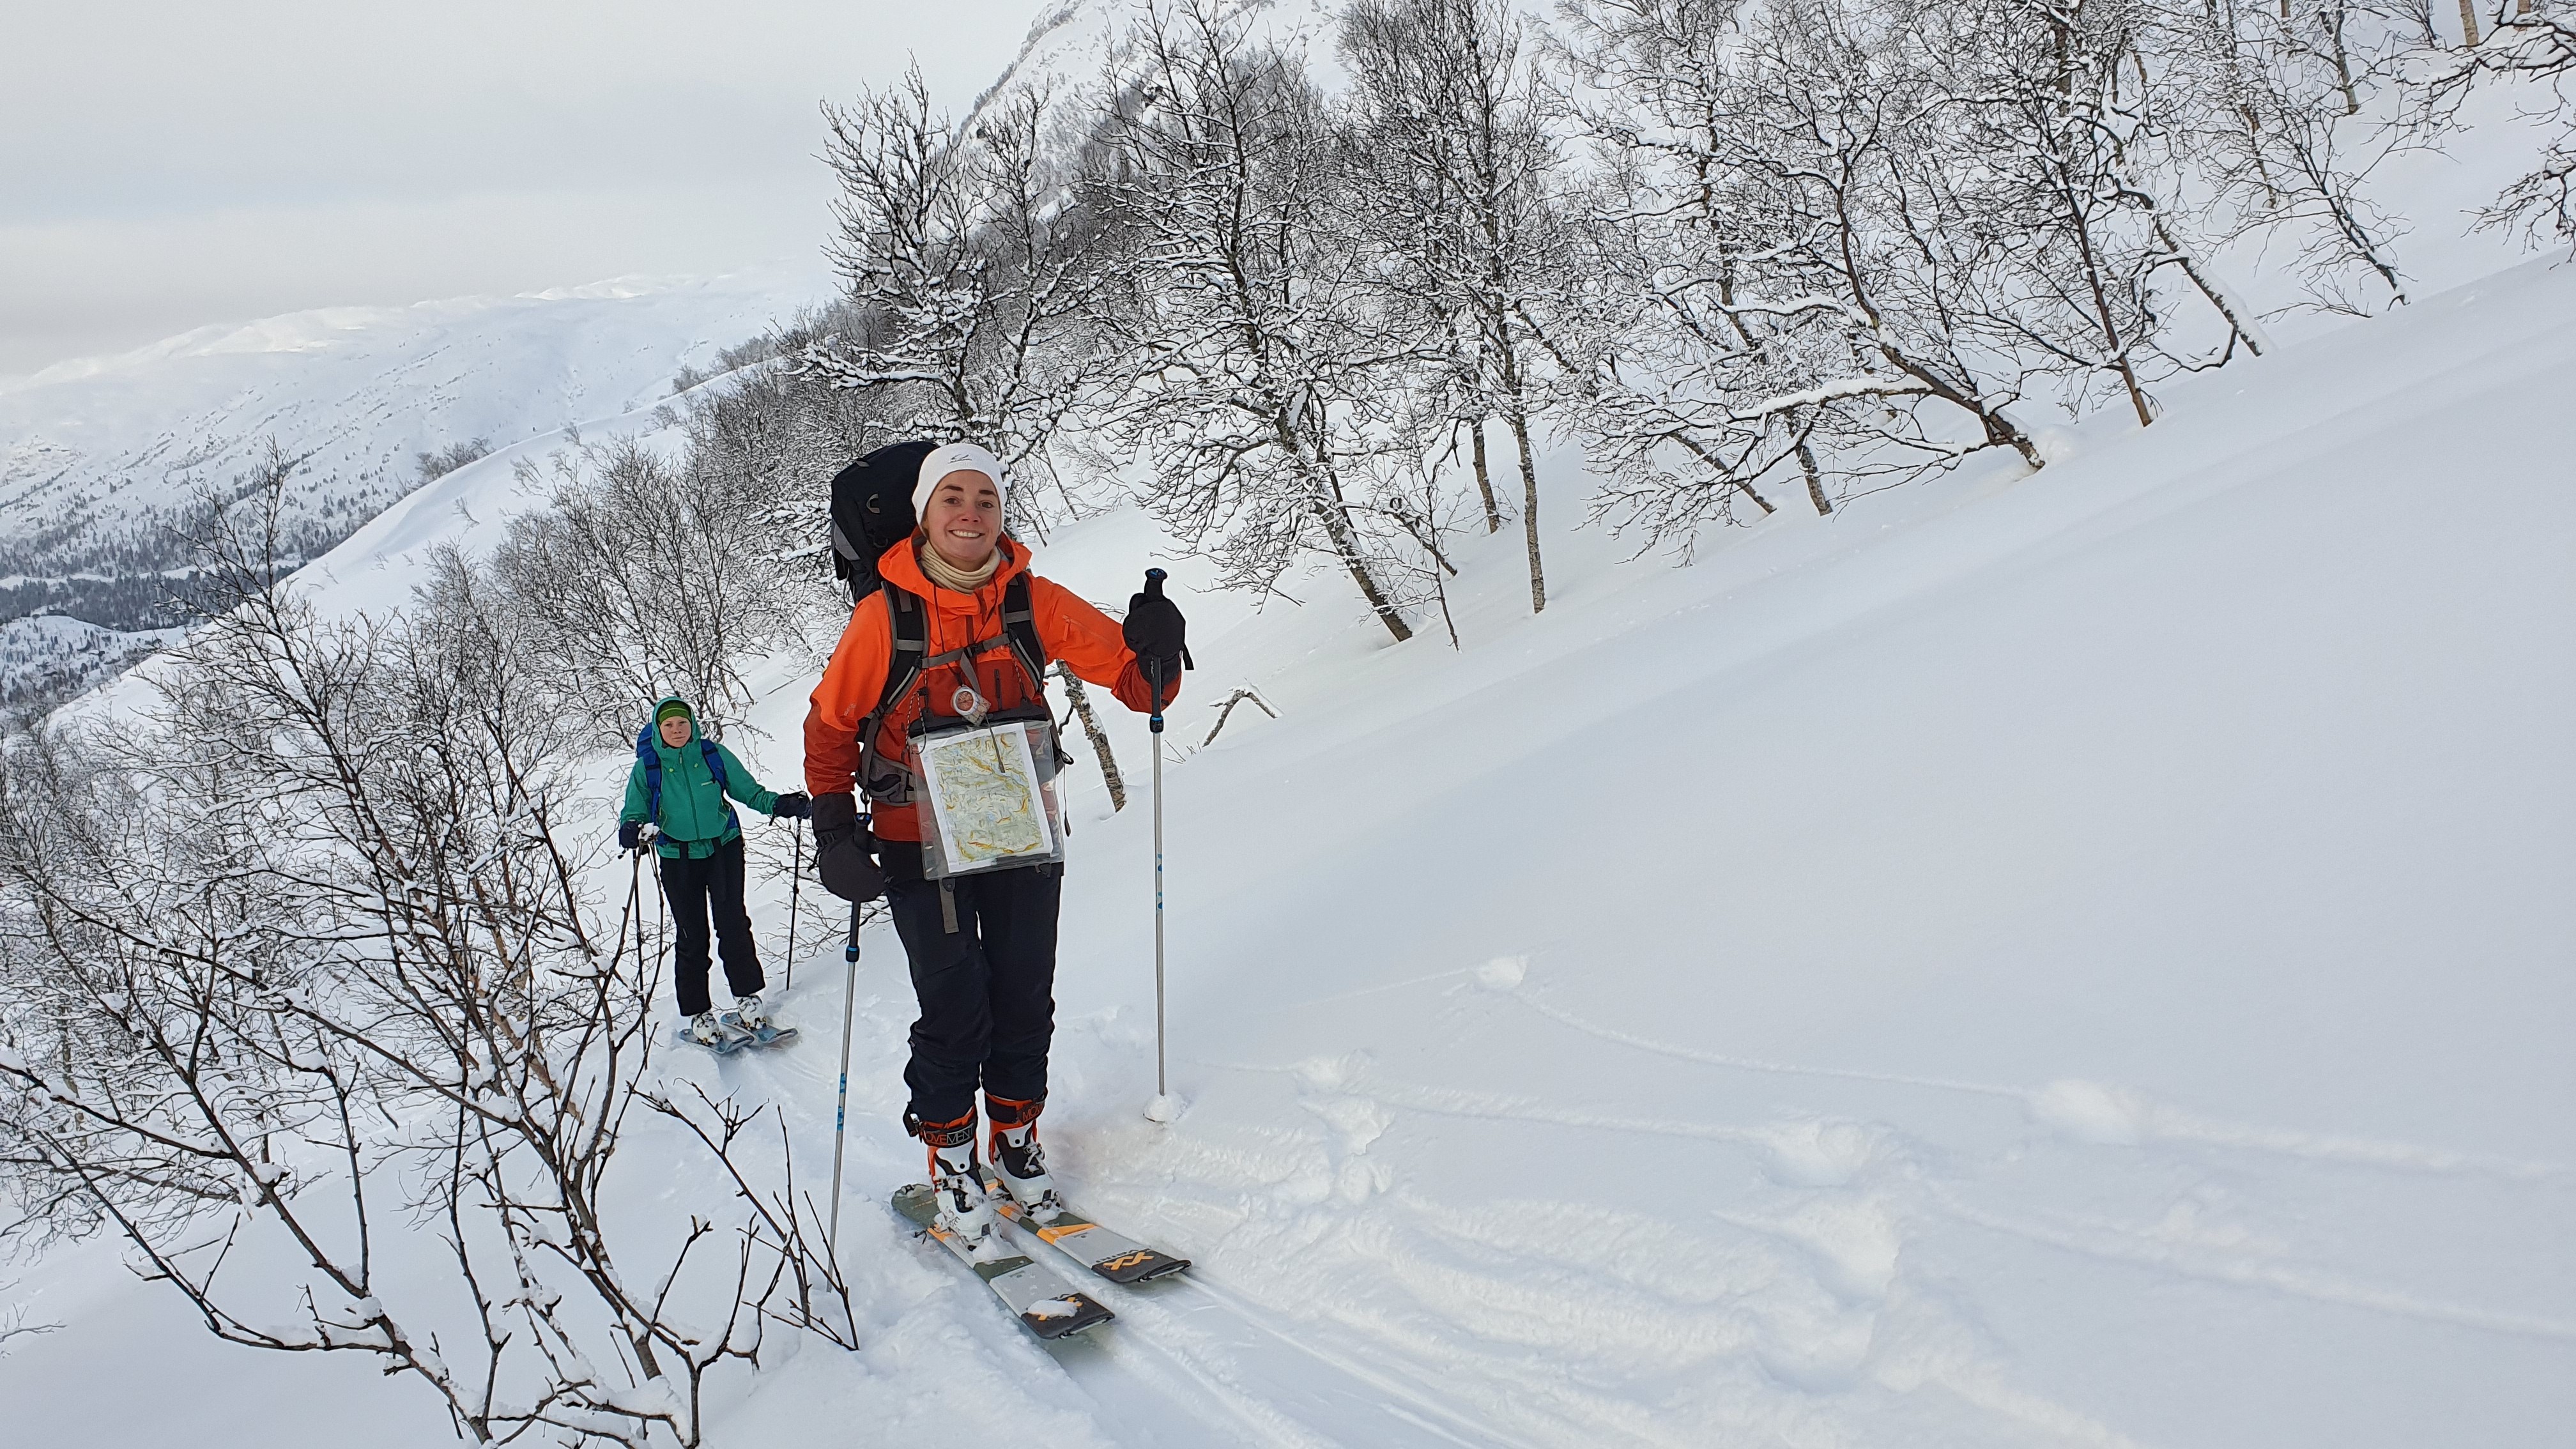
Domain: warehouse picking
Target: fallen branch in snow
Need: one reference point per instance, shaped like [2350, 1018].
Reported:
[1226, 711]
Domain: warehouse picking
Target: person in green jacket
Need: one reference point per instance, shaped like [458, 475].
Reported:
[675, 805]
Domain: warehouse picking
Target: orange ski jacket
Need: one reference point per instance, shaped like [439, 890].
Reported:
[1087, 640]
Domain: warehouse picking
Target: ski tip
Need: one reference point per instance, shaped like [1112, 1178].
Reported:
[1144, 1265]
[1058, 1317]
[913, 1202]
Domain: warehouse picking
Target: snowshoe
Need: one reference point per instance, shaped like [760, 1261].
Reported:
[751, 1019]
[708, 1030]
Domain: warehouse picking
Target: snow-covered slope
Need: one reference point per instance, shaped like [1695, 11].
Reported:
[98, 455]
[2068, 960]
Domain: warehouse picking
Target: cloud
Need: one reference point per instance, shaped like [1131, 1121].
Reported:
[172, 165]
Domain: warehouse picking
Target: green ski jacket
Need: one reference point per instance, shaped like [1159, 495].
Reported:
[694, 820]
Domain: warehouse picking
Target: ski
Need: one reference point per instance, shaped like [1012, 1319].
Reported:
[1046, 1305]
[767, 1034]
[1114, 1256]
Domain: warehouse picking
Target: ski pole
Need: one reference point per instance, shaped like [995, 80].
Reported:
[661, 913]
[795, 883]
[1161, 1109]
[634, 898]
[841, 1107]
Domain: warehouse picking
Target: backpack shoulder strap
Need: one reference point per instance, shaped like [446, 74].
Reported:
[1020, 625]
[908, 625]
[652, 761]
[724, 787]
[908, 634]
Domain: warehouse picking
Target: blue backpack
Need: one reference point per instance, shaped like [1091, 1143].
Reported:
[651, 755]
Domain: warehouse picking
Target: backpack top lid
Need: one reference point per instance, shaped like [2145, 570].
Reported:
[872, 511]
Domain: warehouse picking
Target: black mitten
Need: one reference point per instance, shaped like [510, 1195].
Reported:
[844, 852]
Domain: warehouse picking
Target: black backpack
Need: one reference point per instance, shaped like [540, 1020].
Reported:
[872, 512]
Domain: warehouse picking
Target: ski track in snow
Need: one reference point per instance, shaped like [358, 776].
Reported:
[2112, 1116]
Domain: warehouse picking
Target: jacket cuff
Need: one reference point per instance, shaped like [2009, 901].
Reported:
[835, 812]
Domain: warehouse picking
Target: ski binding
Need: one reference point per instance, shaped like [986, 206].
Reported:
[767, 1034]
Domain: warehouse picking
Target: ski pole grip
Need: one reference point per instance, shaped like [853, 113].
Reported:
[1154, 667]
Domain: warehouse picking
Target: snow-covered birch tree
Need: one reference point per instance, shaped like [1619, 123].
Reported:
[1258, 382]
[1783, 284]
[297, 960]
[1451, 164]
[972, 270]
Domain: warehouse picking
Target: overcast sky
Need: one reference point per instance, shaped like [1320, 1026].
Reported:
[165, 164]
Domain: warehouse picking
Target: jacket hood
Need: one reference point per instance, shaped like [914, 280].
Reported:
[900, 567]
[653, 717]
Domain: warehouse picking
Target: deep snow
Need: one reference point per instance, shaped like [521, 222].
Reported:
[2070, 959]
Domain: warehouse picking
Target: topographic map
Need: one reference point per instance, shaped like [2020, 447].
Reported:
[986, 794]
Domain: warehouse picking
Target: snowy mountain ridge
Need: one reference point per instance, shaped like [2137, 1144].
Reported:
[99, 456]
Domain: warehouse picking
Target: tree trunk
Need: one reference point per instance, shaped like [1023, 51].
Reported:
[1326, 491]
[1347, 544]
[2240, 319]
[1099, 738]
[1815, 479]
[1519, 418]
[1485, 479]
[2469, 23]
[2333, 20]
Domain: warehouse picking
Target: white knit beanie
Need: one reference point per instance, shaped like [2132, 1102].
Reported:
[957, 458]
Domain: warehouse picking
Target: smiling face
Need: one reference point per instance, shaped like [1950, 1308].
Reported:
[964, 519]
[675, 731]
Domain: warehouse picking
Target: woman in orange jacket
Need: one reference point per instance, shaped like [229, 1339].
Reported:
[981, 946]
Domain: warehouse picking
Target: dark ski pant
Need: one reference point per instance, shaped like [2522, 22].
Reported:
[987, 989]
[692, 886]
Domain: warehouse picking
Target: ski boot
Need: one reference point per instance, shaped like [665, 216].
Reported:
[750, 1021]
[709, 1032]
[1018, 1161]
[957, 1181]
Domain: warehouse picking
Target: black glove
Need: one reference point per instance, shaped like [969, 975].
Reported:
[792, 805]
[626, 833]
[844, 851]
[1156, 633]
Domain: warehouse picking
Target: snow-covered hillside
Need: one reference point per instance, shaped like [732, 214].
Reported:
[98, 456]
[2075, 959]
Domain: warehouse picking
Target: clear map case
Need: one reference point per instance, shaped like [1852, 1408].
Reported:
[992, 799]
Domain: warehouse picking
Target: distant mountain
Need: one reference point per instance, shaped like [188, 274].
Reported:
[99, 457]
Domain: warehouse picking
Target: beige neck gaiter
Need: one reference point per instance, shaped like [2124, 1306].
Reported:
[948, 576]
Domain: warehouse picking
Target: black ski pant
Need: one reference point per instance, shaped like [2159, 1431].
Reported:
[986, 988]
[693, 887]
